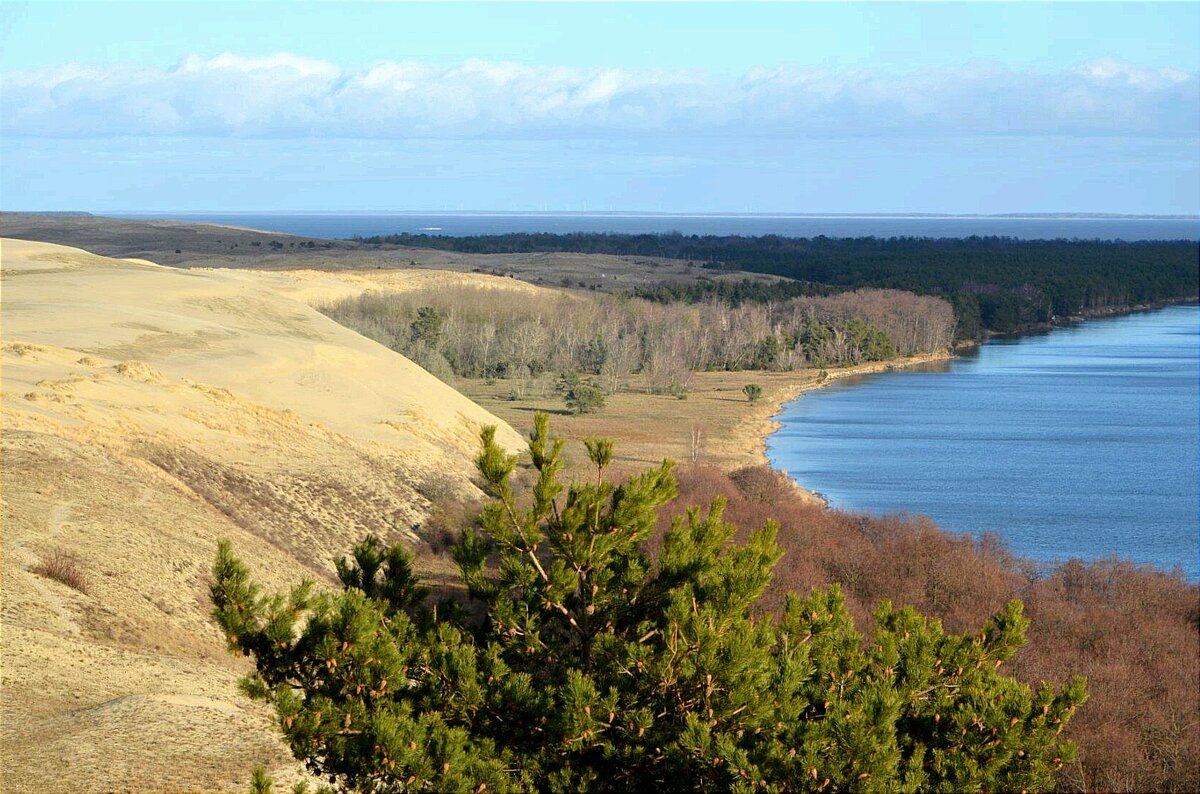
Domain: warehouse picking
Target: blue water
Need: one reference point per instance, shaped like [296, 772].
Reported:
[1078, 443]
[346, 225]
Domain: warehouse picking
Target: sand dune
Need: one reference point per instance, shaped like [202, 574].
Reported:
[147, 412]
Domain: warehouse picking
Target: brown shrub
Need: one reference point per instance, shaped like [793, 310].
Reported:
[762, 483]
[1130, 630]
[445, 524]
[438, 487]
[62, 567]
[1134, 632]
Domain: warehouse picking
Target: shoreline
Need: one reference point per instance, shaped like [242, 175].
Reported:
[777, 398]
[764, 422]
[1121, 311]
[1075, 319]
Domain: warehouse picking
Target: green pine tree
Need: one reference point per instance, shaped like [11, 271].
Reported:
[580, 663]
[581, 396]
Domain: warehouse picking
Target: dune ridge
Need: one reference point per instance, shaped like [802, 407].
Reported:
[148, 411]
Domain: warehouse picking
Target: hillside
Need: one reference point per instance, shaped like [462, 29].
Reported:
[147, 412]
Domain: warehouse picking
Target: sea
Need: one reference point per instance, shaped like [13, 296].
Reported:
[1079, 443]
[345, 225]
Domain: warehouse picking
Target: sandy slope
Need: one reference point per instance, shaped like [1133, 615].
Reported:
[147, 412]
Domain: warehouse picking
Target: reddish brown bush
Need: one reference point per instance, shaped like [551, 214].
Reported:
[1133, 631]
[446, 522]
[62, 567]
[762, 483]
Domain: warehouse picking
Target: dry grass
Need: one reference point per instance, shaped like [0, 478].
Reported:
[715, 425]
[649, 427]
[178, 243]
[63, 567]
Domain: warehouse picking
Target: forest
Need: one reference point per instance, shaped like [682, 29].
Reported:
[996, 284]
[464, 331]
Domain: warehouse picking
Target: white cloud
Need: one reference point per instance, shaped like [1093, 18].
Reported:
[287, 96]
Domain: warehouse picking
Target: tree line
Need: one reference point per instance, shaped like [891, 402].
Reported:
[466, 331]
[997, 284]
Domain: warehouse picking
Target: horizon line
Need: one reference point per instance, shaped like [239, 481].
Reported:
[1060, 215]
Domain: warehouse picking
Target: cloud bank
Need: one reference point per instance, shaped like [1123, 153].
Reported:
[287, 96]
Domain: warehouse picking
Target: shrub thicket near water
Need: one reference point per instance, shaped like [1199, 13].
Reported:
[582, 663]
[1132, 630]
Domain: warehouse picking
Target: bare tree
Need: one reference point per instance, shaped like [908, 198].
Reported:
[696, 443]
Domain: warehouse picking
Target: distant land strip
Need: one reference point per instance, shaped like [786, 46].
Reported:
[996, 284]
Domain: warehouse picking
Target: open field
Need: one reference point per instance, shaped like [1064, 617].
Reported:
[714, 426]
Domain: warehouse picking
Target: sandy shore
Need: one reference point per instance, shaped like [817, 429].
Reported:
[714, 426]
[763, 420]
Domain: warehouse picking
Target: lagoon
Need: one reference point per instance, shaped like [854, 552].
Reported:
[1081, 442]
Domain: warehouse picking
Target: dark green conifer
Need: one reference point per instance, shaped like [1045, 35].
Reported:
[589, 666]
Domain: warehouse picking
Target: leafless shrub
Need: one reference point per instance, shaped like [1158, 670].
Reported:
[438, 488]
[1131, 630]
[762, 483]
[446, 522]
[64, 567]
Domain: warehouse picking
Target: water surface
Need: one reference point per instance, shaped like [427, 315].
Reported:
[1078, 443]
[343, 225]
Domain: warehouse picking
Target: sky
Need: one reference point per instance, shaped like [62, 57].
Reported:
[666, 107]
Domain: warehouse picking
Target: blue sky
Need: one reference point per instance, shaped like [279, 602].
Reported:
[682, 107]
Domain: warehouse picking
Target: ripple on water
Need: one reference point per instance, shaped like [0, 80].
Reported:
[1078, 443]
